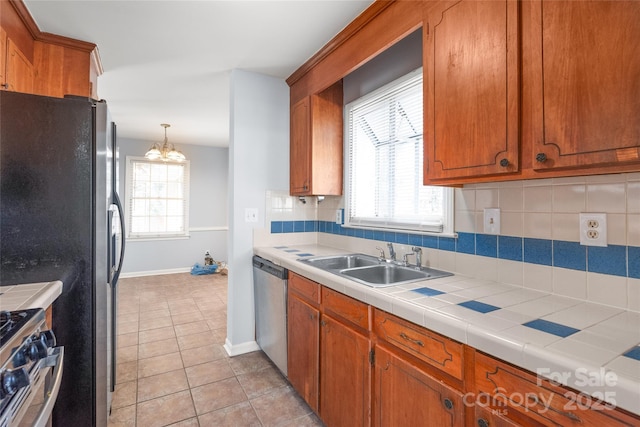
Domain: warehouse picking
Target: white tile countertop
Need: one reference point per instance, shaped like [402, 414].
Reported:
[590, 347]
[29, 295]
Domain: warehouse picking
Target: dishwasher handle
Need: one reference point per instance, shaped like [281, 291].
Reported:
[269, 267]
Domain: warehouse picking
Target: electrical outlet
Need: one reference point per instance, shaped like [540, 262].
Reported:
[593, 229]
[339, 216]
[492, 221]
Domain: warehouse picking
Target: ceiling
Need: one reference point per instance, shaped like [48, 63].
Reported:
[170, 61]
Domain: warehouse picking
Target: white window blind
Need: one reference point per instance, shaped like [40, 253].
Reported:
[384, 151]
[158, 198]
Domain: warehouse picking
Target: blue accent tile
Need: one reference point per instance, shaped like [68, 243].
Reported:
[322, 226]
[292, 250]
[487, 245]
[537, 251]
[298, 226]
[341, 230]
[428, 291]
[415, 239]
[608, 260]
[351, 232]
[358, 232]
[280, 247]
[570, 255]
[378, 235]
[466, 243]
[368, 234]
[402, 238]
[510, 248]
[287, 226]
[310, 226]
[479, 306]
[634, 262]
[305, 254]
[430, 242]
[551, 327]
[447, 244]
[389, 236]
[634, 353]
[276, 226]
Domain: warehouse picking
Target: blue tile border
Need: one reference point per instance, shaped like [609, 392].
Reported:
[613, 260]
[428, 291]
[538, 251]
[479, 306]
[634, 353]
[551, 327]
[570, 255]
[510, 248]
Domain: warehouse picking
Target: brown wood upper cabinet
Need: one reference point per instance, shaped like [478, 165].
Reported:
[17, 70]
[316, 144]
[471, 89]
[586, 97]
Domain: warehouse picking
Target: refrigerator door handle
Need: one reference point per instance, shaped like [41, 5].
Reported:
[116, 275]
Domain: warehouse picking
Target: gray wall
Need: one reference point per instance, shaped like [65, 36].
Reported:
[209, 170]
[258, 161]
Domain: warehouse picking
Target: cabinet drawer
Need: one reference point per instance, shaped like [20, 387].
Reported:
[346, 307]
[540, 400]
[304, 287]
[430, 347]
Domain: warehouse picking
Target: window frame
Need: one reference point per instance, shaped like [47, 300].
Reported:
[129, 195]
[381, 225]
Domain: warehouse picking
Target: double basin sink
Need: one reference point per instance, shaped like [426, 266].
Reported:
[372, 271]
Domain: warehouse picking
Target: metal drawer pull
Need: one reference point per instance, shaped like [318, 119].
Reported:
[405, 337]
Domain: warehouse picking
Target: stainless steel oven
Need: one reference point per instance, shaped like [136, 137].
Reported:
[31, 369]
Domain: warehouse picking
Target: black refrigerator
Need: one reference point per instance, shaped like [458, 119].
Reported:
[61, 219]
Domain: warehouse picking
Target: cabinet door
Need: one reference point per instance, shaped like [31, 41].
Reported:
[3, 58]
[303, 349]
[471, 90]
[300, 149]
[344, 375]
[407, 396]
[587, 63]
[19, 70]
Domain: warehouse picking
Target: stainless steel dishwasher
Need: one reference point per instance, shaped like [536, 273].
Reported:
[270, 299]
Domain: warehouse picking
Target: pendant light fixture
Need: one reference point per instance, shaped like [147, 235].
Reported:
[167, 152]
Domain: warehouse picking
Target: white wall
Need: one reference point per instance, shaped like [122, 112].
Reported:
[209, 168]
[258, 160]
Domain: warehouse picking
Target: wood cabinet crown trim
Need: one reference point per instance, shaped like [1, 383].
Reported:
[44, 37]
[354, 26]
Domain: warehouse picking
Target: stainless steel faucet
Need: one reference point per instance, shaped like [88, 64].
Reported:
[418, 251]
[392, 252]
[382, 256]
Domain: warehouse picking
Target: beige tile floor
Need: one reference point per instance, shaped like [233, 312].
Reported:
[173, 370]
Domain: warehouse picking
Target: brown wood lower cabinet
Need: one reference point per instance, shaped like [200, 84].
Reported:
[303, 348]
[359, 366]
[345, 373]
[405, 395]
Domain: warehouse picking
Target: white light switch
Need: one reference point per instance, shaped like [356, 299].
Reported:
[492, 221]
[251, 215]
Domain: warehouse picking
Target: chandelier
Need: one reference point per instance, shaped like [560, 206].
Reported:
[167, 152]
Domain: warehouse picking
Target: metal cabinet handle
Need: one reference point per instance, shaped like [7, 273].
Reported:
[541, 157]
[482, 422]
[408, 338]
[448, 403]
[504, 163]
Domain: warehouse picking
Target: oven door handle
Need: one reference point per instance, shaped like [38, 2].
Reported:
[56, 359]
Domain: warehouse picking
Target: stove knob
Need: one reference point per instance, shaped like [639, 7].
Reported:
[37, 350]
[48, 338]
[12, 381]
[20, 358]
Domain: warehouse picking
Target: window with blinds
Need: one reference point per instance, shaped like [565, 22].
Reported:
[384, 155]
[157, 198]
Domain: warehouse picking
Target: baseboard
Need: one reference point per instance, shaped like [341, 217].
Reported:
[155, 272]
[245, 347]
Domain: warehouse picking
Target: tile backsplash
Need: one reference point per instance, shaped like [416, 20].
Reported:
[538, 246]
